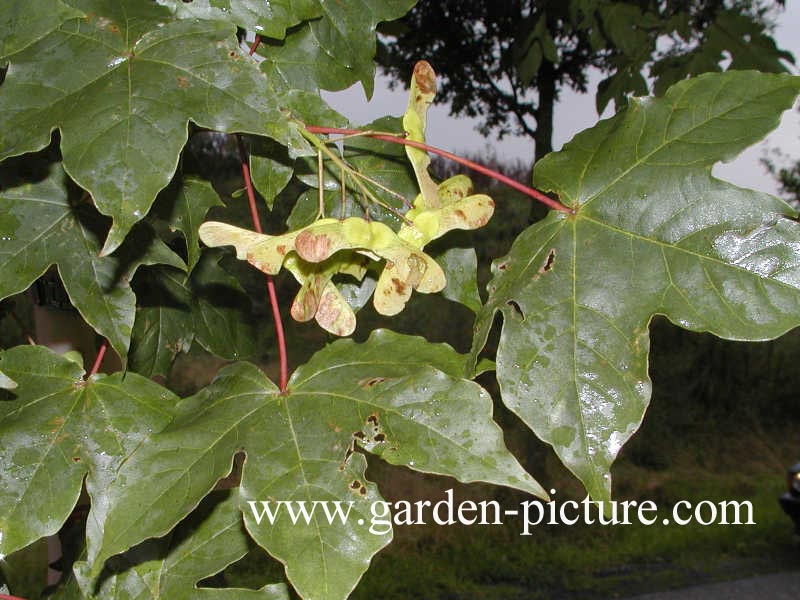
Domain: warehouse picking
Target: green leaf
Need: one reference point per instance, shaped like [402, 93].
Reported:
[6, 383]
[185, 209]
[24, 22]
[60, 429]
[386, 164]
[335, 51]
[653, 233]
[623, 24]
[746, 42]
[222, 312]
[732, 35]
[209, 307]
[395, 396]
[268, 19]
[164, 325]
[460, 266]
[39, 227]
[209, 540]
[138, 76]
[271, 169]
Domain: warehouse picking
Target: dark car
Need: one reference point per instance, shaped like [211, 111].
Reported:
[790, 500]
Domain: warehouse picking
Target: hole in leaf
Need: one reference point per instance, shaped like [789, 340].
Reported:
[516, 307]
[548, 263]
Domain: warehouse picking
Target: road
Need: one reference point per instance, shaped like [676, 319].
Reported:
[780, 586]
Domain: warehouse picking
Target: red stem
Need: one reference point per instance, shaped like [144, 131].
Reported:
[273, 296]
[99, 359]
[255, 44]
[398, 139]
[4, 597]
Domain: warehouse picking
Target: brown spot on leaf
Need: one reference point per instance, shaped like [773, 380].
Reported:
[502, 266]
[114, 28]
[359, 435]
[76, 459]
[315, 248]
[425, 77]
[363, 491]
[373, 419]
[182, 82]
[370, 381]
[281, 248]
[379, 437]
[356, 484]
[399, 286]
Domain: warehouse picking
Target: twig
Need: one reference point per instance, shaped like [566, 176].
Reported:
[273, 296]
[400, 139]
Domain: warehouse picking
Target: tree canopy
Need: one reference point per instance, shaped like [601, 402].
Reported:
[522, 53]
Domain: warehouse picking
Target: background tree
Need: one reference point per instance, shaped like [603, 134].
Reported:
[521, 53]
[786, 171]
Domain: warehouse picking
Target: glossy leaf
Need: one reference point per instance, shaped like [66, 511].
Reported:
[336, 50]
[23, 22]
[268, 19]
[59, 429]
[39, 227]
[143, 74]
[653, 233]
[395, 396]
[209, 540]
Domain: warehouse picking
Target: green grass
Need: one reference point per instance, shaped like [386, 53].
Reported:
[722, 425]
[591, 561]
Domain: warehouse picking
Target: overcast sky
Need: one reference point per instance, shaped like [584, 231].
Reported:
[574, 113]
